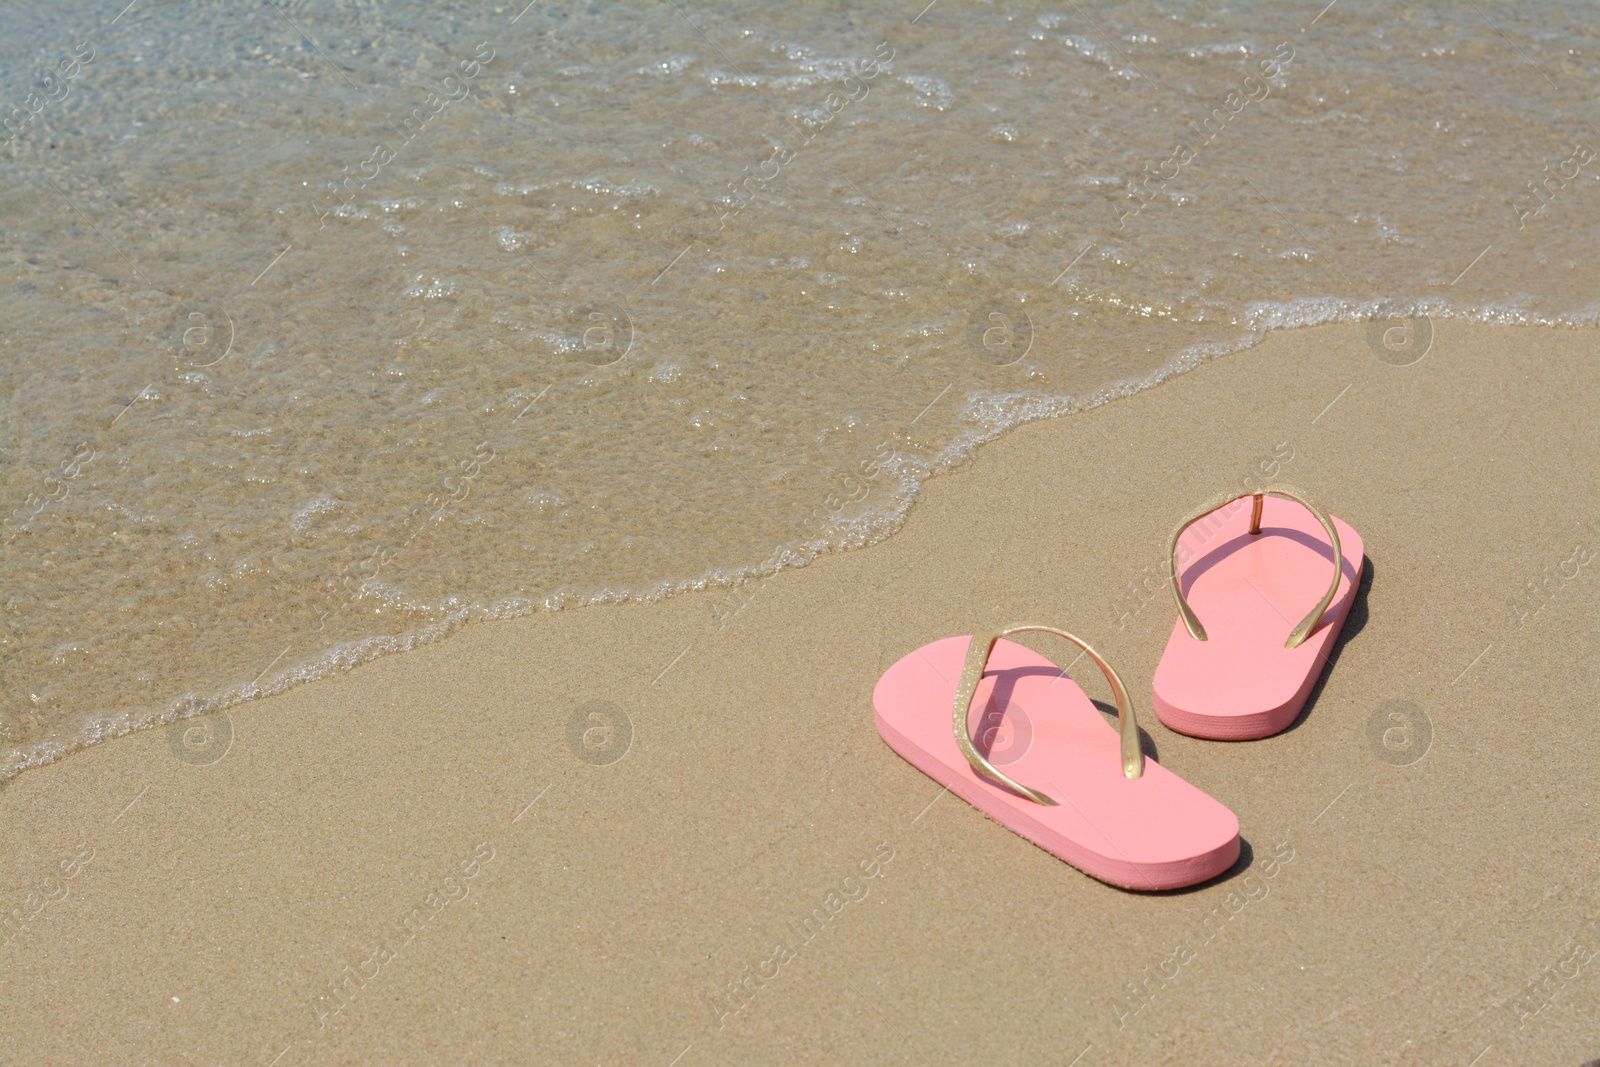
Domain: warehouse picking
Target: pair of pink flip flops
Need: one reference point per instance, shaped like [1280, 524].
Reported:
[1262, 592]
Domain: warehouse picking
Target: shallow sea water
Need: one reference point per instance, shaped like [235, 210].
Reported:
[327, 327]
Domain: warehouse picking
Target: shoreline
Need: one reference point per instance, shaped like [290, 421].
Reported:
[662, 786]
[1002, 414]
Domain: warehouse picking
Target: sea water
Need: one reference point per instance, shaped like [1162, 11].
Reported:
[328, 327]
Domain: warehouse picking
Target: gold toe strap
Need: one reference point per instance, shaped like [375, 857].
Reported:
[972, 672]
[1296, 636]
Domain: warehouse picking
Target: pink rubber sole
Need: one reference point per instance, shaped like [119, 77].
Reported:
[1249, 591]
[1037, 726]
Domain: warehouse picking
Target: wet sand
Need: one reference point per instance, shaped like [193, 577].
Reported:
[574, 837]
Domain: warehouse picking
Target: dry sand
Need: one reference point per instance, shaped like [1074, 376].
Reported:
[421, 833]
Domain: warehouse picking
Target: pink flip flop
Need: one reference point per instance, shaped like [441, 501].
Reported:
[1249, 574]
[1095, 800]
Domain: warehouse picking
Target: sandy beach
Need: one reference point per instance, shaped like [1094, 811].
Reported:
[669, 834]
